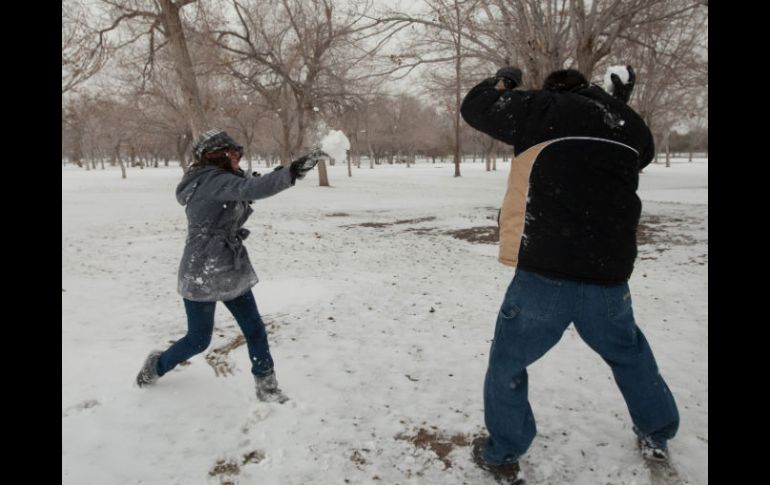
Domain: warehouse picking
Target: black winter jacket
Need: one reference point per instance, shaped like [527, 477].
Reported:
[571, 209]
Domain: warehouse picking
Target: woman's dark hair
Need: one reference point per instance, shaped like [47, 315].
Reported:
[215, 158]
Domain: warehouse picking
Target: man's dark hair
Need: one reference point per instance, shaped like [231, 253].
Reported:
[565, 80]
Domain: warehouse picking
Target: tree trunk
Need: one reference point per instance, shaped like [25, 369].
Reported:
[457, 119]
[184, 68]
[77, 148]
[458, 61]
[323, 177]
[489, 162]
[120, 161]
[285, 142]
[183, 140]
[350, 172]
[668, 148]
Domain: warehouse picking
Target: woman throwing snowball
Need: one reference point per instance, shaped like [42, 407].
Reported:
[215, 266]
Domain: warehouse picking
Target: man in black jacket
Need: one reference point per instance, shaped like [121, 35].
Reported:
[568, 224]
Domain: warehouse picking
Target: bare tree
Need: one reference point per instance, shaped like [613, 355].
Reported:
[80, 57]
[672, 61]
[160, 23]
[455, 13]
[297, 54]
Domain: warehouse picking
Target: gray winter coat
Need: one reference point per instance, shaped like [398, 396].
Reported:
[215, 265]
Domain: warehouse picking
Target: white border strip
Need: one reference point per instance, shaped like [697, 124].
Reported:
[595, 139]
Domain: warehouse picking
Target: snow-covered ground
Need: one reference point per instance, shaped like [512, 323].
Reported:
[377, 331]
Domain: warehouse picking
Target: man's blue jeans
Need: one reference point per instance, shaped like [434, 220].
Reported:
[200, 325]
[535, 313]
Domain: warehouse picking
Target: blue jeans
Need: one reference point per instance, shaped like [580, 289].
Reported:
[535, 313]
[200, 325]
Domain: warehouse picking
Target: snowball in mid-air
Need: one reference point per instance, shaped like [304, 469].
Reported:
[335, 143]
[622, 73]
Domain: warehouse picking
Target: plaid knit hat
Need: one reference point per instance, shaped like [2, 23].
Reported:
[214, 139]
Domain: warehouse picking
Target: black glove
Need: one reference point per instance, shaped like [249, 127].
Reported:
[623, 91]
[301, 166]
[510, 75]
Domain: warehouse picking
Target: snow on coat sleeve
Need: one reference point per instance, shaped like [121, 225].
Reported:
[229, 186]
[505, 114]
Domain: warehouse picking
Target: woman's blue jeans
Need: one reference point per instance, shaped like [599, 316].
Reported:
[200, 325]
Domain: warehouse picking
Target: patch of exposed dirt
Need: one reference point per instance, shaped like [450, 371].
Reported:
[380, 225]
[478, 234]
[422, 231]
[358, 457]
[225, 467]
[253, 457]
[441, 444]
[664, 232]
[219, 357]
